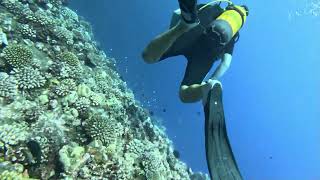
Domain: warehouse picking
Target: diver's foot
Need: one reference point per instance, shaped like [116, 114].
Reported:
[207, 86]
[189, 12]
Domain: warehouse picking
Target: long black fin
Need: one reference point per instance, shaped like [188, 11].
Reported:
[220, 158]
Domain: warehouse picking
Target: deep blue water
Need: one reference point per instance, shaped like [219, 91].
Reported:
[271, 91]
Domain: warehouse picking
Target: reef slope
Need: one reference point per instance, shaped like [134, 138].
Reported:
[65, 113]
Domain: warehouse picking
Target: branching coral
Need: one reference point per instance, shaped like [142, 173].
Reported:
[13, 6]
[10, 171]
[153, 166]
[113, 169]
[8, 86]
[97, 99]
[27, 31]
[29, 78]
[17, 55]
[32, 114]
[58, 3]
[41, 18]
[137, 147]
[103, 128]
[62, 70]
[70, 58]
[63, 35]
[70, 16]
[82, 105]
[48, 136]
[12, 143]
[65, 87]
[12, 134]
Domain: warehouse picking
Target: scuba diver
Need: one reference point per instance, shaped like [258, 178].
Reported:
[203, 34]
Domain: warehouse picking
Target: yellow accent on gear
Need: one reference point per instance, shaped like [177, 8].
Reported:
[234, 18]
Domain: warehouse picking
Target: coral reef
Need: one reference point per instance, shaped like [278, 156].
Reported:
[65, 113]
[70, 58]
[29, 78]
[8, 86]
[10, 171]
[105, 129]
[17, 55]
[65, 87]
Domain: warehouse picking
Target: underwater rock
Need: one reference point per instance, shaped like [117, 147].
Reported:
[3, 39]
[72, 156]
[65, 112]
[199, 176]
[83, 90]
[12, 171]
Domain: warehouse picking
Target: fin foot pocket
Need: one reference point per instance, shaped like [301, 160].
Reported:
[189, 11]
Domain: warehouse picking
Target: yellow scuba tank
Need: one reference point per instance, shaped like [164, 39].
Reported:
[228, 24]
[235, 16]
[225, 26]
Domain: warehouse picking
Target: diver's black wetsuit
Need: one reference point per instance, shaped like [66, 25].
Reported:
[200, 51]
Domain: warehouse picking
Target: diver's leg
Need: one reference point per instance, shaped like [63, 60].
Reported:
[158, 46]
[192, 88]
[192, 93]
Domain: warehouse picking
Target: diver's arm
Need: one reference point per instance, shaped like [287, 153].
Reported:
[223, 66]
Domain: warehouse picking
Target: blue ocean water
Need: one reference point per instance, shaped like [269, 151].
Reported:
[271, 91]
